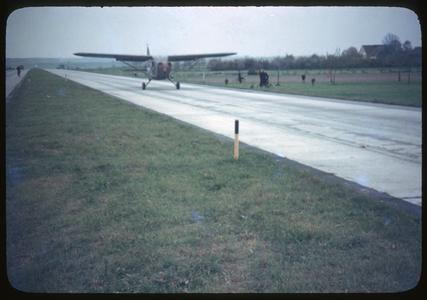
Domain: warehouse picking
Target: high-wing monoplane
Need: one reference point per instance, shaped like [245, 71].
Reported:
[154, 68]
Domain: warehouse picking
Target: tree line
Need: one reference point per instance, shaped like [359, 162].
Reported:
[393, 54]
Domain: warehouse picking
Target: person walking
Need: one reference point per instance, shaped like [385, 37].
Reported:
[266, 79]
[240, 77]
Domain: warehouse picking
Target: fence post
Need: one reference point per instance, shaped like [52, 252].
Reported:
[236, 139]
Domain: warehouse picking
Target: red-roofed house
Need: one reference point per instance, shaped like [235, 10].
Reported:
[371, 51]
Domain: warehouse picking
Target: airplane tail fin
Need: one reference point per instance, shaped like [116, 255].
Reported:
[148, 50]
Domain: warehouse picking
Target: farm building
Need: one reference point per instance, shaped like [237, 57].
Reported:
[371, 51]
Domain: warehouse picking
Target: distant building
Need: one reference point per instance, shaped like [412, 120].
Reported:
[371, 51]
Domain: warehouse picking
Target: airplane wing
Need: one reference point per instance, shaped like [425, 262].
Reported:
[197, 56]
[119, 57]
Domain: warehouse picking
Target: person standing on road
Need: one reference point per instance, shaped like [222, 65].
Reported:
[18, 71]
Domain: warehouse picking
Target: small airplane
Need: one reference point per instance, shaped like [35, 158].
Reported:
[155, 69]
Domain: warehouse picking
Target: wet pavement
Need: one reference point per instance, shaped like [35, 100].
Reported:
[374, 145]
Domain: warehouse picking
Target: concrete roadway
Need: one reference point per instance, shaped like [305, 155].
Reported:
[377, 146]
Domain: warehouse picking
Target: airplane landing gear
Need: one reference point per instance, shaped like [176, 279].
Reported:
[144, 85]
[176, 84]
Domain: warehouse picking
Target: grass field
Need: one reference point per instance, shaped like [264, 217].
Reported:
[371, 85]
[104, 196]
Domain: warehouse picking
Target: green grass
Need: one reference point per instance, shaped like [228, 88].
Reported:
[378, 92]
[104, 196]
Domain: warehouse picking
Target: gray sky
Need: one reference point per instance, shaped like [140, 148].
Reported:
[253, 31]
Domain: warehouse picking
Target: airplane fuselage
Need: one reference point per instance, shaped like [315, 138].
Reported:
[160, 70]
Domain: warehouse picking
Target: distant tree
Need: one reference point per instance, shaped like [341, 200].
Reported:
[214, 64]
[351, 58]
[351, 52]
[314, 61]
[407, 46]
[250, 63]
[407, 59]
[391, 55]
[276, 63]
[333, 62]
[288, 61]
[240, 64]
[392, 42]
[415, 57]
[265, 64]
[302, 62]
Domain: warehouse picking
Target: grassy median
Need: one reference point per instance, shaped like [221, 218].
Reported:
[376, 92]
[373, 87]
[105, 196]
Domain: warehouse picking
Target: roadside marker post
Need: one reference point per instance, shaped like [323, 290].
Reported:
[236, 139]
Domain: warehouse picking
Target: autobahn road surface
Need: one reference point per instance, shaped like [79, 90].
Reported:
[377, 146]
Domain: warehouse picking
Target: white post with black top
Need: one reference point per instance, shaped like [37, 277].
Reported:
[236, 139]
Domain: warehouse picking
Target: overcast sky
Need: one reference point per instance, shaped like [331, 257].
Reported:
[252, 31]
